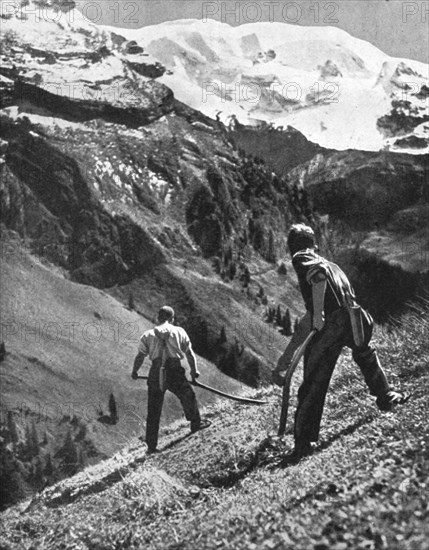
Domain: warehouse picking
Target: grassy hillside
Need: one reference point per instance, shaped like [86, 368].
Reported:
[365, 486]
[69, 347]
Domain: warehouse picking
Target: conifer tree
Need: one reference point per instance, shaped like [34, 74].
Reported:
[49, 467]
[287, 325]
[279, 317]
[232, 270]
[295, 326]
[113, 409]
[246, 276]
[2, 351]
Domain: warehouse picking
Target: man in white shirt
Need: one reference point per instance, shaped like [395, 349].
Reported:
[166, 345]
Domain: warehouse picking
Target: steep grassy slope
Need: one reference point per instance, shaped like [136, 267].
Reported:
[365, 486]
[69, 347]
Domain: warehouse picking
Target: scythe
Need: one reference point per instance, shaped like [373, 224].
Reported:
[246, 400]
[299, 352]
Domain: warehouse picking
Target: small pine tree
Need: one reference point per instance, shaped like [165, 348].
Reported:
[217, 264]
[282, 269]
[246, 276]
[2, 351]
[49, 467]
[279, 317]
[287, 324]
[271, 315]
[228, 255]
[295, 326]
[113, 409]
[232, 270]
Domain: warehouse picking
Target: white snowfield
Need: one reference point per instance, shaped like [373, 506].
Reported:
[330, 86]
[321, 80]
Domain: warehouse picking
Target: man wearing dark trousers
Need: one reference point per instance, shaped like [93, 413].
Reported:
[338, 321]
[166, 345]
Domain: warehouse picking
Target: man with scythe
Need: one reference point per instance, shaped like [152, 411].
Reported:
[333, 320]
[166, 345]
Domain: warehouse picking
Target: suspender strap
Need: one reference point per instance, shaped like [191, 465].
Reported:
[162, 373]
[318, 290]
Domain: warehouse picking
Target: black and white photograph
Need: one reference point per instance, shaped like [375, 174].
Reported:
[214, 274]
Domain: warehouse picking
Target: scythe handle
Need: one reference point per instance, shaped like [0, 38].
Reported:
[288, 378]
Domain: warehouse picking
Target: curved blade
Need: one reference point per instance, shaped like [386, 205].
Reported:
[299, 352]
[246, 400]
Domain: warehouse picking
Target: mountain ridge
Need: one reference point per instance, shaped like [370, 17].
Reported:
[312, 104]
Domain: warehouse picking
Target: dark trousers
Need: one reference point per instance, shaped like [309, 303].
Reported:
[177, 383]
[319, 361]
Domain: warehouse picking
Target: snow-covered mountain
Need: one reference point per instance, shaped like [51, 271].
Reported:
[339, 91]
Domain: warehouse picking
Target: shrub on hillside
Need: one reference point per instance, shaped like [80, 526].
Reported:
[282, 269]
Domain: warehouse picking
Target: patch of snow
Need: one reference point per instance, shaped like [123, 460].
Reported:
[117, 180]
[159, 187]
[48, 121]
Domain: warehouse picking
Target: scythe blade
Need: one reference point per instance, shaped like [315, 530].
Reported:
[246, 400]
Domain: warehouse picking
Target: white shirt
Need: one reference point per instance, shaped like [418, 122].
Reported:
[176, 339]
